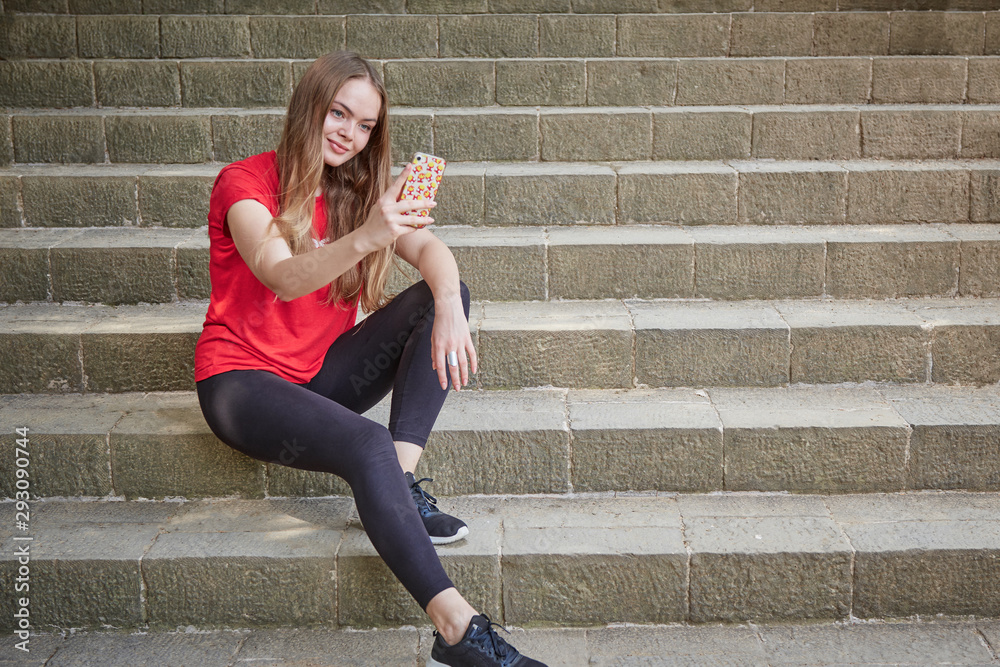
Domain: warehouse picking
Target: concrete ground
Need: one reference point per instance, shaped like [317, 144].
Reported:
[869, 643]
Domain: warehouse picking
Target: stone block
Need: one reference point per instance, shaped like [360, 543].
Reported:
[193, 280]
[711, 644]
[184, 6]
[664, 440]
[297, 7]
[460, 200]
[771, 34]
[10, 208]
[964, 336]
[238, 136]
[992, 46]
[393, 646]
[296, 36]
[677, 193]
[807, 135]
[411, 131]
[936, 33]
[911, 134]
[204, 37]
[985, 185]
[663, 35]
[891, 262]
[499, 264]
[727, 82]
[24, 262]
[806, 439]
[698, 344]
[790, 193]
[541, 82]
[576, 36]
[37, 36]
[757, 263]
[6, 140]
[441, 83]
[537, 194]
[105, 6]
[119, 36]
[794, 5]
[851, 34]
[979, 273]
[620, 82]
[844, 341]
[907, 193]
[47, 6]
[174, 200]
[48, 84]
[620, 263]
[236, 84]
[54, 201]
[566, 344]
[373, 36]
[983, 85]
[683, 134]
[48, 138]
[137, 83]
[530, 6]
[471, 135]
[619, 7]
[980, 134]
[920, 81]
[828, 80]
[583, 135]
[382, 7]
[165, 139]
[489, 36]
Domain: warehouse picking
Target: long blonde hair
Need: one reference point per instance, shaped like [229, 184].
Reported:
[350, 190]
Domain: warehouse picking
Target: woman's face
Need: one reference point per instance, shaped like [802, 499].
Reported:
[350, 121]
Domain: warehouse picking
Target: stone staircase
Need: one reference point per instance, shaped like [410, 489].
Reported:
[735, 265]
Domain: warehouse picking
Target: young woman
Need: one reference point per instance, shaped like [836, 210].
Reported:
[300, 237]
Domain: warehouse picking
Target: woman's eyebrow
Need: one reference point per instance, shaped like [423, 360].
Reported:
[351, 112]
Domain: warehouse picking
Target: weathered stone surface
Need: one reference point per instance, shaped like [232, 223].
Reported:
[184, 6]
[296, 36]
[487, 135]
[24, 262]
[620, 6]
[758, 263]
[704, 644]
[698, 344]
[270, 7]
[827, 80]
[390, 647]
[701, 194]
[412, 130]
[805, 439]
[891, 262]
[105, 6]
[489, 36]
[725, 82]
[664, 440]
[538, 194]
[992, 46]
[119, 36]
[908, 192]
[499, 264]
[695, 35]
[49, 84]
[137, 649]
[851, 34]
[980, 134]
[846, 341]
[460, 200]
[631, 82]
[979, 274]
[10, 209]
[236, 84]
[771, 34]
[204, 37]
[965, 334]
[562, 344]
[419, 6]
[585, 135]
[542, 82]
[238, 136]
[54, 201]
[576, 36]
[159, 139]
[171, 199]
[620, 263]
[791, 193]
[806, 135]
[137, 83]
[442, 83]
[919, 80]
[909, 134]
[985, 185]
[683, 133]
[375, 36]
[58, 138]
[193, 281]
[936, 33]
[37, 36]
[6, 140]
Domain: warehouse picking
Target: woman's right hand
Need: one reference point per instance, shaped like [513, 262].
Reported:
[386, 221]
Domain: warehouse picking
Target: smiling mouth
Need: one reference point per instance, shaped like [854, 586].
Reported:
[338, 148]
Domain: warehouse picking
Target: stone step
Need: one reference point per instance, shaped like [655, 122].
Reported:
[52, 348]
[800, 439]
[521, 134]
[937, 642]
[514, 35]
[731, 192]
[580, 561]
[156, 265]
[465, 82]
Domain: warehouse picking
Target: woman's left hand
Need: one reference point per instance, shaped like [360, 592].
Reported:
[451, 334]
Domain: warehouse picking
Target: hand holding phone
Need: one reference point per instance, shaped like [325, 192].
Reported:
[422, 183]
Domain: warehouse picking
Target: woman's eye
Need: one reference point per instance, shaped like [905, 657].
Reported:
[366, 127]
[337, 112]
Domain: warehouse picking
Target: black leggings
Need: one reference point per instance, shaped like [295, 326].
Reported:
[318, 425]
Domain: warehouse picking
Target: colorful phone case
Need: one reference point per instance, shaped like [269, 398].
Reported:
[423, 181]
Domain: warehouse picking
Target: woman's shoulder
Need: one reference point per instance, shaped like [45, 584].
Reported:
[262, 165]
[255, 177]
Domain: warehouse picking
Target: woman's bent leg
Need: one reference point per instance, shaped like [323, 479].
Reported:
[273, 420]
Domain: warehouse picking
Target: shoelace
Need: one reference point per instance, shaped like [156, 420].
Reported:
[500, 647]
[429, 500]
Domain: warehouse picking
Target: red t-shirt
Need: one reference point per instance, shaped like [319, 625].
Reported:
[247, 325]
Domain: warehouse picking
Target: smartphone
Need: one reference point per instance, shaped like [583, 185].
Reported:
[422, 183]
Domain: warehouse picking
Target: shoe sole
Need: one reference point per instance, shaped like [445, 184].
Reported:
[462, 532]
[431, 662]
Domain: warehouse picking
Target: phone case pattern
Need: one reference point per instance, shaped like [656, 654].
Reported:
[423, 181]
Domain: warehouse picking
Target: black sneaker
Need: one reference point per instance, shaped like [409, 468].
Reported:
[480, 647]
[443, 528]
